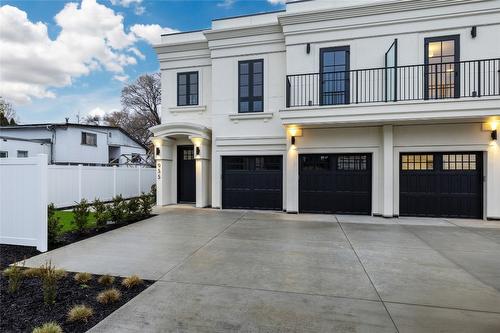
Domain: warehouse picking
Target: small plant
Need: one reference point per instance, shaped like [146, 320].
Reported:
[153, 192]
[132, 281]
[133, 209]
[100, 212]
[15, 275]
[81, 215]
[50, 276]
[53, 225]
[117, 209]
[83, 278]
[80, 313]
[60, 273]
[106, 280]
[51, 327]
[109, 296]
[34, 272]
[146, 204]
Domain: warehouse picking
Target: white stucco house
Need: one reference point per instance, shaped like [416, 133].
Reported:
[71, 144]
[383, 108]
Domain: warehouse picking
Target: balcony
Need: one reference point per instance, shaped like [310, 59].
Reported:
[464, 79]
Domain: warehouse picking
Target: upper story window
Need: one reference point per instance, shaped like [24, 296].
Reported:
[89, 139]
[334, 76]
[22, 153]
[4, 154]
[187, 88]
[442, 69]
[251, 86]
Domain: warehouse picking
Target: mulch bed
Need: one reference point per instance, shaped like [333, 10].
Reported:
[71, 237]
[25, 309]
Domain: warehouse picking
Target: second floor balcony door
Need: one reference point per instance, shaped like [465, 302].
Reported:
[442, 67]
[334, 76]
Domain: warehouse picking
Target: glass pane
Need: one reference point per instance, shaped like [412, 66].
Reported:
[243, 106]
[257, 91]
[243, 68]
[448, 48]
[434, 49]
[182, 100]
[328, 58]
[244, 80]
[193, 78]
[182, 79]
[244, 91]
[340, 57]
[257, 79]
[257, 106]
[193, 99]
[193, 88]
[182, 90]
[257, 67]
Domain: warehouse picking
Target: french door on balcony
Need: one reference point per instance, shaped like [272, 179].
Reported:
[442, 67]
[334, 76]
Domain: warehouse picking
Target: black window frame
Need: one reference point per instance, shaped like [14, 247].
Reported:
[347, 79]
[84, 139]
[251, 98]
[4, 152]
[456, 55]
[189, 93]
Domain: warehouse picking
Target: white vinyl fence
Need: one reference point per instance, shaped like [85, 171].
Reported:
[23, 201]
[27, 185]
[70, 184]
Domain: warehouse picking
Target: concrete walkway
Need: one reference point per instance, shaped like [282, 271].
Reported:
[235, 271]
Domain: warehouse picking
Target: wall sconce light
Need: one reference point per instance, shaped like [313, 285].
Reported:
[494, 135]
[197, 151]
[308, 48]
[473, 32]
[157, 151]
[293, 140]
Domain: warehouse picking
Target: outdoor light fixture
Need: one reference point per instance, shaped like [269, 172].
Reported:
[494, 135]
[308, 48]
[473, 32]
[198, 151]
[157, 151]
[293, 140]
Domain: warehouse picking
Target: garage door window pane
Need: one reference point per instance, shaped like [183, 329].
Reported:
[417, 162]
[351, 162]
[459, 162]
[317, 162]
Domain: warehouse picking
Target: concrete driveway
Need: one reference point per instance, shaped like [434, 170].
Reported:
[236, 271]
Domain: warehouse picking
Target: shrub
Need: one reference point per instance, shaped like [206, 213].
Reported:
[80, 313]
[133, 209]
[146, 204]
[51, 327]
[132, 281]
[106, 280]
[117, 209]
[83, 278]
[60, 273]
[34, 272]
[50, 276]
[15, 275]
[100, 212]
[53, 225]
[81, 215]
[109, 296]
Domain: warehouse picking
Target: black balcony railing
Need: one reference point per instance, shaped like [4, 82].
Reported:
[473, 78]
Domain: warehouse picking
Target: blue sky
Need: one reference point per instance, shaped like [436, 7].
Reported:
[57, 67]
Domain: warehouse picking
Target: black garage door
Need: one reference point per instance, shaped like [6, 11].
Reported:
[441, 184]
[252, 182]
[335, 183]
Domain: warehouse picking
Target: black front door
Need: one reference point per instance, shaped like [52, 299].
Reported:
[441, 184]
[335, 183]
[186, 177]
[252, 182]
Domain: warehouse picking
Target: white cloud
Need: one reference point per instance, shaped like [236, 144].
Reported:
[277, 2]
[92, 37]
[151, 32]
[226, 3]
[138, 9]
[97, 112]
[121, 78]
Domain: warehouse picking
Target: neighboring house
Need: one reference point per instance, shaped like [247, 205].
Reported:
[386, 108]
[71, 144]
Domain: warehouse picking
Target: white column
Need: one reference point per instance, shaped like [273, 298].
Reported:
[43, 167]
[493, 181]
[388, 158]
[202, 151]
[292, 177]
[163, 156]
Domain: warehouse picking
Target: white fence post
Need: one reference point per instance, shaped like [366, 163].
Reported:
[114, 181]
[80, 171]
[44, 189]
[139, 182]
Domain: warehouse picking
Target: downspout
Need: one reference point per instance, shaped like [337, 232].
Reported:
[52, 141]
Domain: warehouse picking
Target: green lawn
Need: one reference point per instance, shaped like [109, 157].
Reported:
[66, 218]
